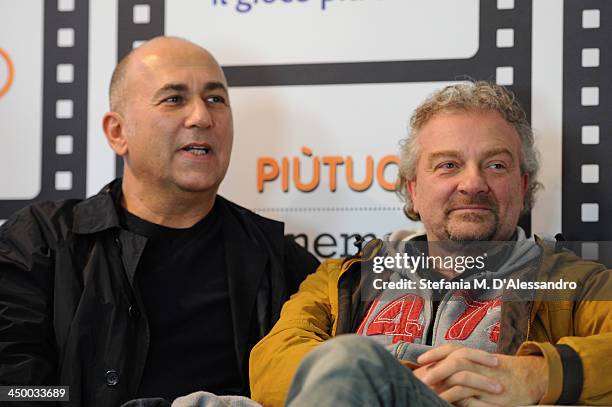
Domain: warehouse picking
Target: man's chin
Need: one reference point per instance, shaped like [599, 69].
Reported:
[471, 232]
[198, 185]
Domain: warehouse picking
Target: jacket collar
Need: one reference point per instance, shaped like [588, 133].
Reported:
[245, 258]
[548, 261]
[98, 212]
[518, 316]
[354, 292]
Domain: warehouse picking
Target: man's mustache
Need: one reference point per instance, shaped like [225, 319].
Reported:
[485, 201]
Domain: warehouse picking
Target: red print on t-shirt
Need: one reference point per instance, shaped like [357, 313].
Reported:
[407, 328]
[494, 333]
[474, 312]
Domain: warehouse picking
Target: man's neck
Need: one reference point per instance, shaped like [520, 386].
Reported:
[178, 209]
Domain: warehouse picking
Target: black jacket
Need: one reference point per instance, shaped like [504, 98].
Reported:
[71, 314]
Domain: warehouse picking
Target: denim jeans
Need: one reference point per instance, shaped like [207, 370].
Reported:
[348, 370]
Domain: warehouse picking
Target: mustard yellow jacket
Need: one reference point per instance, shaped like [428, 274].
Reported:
[327, 304]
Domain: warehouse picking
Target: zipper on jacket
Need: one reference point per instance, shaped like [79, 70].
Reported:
[529, 318]
[433, 312]
[528, 328]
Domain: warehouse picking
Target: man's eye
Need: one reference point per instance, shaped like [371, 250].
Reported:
[497, 166]
[447, 166]
[173, 99]
[215, 99]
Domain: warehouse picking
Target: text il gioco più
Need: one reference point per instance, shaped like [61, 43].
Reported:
[245, 6]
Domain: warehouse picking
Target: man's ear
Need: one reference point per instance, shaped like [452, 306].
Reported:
[113, 126]
[411, 190]
[524, 188]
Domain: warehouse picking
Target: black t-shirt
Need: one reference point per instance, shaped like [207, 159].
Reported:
[182, 279]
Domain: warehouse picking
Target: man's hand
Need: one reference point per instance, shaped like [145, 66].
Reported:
[471, 377]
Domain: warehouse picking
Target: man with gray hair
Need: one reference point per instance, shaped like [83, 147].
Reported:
[468, 170]
[481, 97]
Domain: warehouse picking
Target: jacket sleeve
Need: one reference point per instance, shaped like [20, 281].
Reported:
[305, 322]
[579, 365]
[27, 345]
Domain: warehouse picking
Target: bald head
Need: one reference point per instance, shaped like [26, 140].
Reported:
[150, 54]
[172, 123]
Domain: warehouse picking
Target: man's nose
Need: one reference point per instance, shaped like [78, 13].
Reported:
[199, 115]
[473, 181]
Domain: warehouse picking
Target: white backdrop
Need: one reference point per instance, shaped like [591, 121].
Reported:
[275, 122]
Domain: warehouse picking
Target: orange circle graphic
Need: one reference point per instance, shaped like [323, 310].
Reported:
[11, 72]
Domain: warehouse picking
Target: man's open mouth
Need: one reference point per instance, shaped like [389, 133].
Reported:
[197, 149]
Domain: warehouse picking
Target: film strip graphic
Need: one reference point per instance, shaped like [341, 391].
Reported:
[504, 56]
[586, 120]
[64, 122]
[137, 22]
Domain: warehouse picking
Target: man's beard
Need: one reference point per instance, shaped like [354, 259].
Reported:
[478, 233]
[484, 229]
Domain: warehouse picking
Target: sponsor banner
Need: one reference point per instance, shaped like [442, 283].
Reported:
[321, 91]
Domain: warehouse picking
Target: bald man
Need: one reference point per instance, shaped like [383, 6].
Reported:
[156, 286]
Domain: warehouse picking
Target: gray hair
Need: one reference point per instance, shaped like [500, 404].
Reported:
[473, 96]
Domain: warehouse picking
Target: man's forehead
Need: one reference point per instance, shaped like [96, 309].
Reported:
[162, 61]
[163, 67]
[155, 63]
